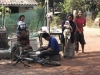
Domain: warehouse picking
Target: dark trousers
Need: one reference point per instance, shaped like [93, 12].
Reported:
[79, 38]
[47, 53]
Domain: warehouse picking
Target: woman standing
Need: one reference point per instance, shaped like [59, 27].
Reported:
[21, 25]
[69, 43]
[80, 22]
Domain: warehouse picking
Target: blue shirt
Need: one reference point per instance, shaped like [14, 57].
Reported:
[54, 44]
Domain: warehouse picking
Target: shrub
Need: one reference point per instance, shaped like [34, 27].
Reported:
[98, 15]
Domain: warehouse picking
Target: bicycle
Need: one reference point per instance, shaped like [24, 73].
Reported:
[24, 55]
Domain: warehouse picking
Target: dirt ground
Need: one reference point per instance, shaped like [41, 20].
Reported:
[82, 64]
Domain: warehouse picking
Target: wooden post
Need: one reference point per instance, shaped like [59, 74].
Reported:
[48, 24]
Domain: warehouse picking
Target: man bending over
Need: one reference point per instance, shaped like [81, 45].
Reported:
[51, 49]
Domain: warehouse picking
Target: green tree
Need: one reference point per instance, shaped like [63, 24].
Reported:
[69, 5]
[3, 12]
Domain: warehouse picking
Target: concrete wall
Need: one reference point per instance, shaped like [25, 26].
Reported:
[21, 9]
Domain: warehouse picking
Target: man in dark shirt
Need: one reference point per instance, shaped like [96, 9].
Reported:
[52, 48]
[23, 42]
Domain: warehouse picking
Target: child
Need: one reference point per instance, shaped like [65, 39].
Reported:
[67, 30]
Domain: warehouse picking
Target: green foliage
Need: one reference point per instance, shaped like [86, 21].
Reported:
[39, 6]
[98, 15]
[65, 7]
[4, 11]
[69, 5]
[54, 22]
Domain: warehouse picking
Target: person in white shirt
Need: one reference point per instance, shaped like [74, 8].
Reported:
[21, 25]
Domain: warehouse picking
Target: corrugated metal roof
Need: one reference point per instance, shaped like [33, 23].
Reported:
[18, 2]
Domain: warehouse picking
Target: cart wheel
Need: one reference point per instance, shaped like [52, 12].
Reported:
[13, 55]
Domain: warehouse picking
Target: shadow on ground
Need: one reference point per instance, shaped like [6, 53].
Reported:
[82, 64]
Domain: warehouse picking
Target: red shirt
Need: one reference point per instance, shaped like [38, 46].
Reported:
[80, 22]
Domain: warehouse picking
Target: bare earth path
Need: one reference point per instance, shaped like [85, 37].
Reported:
[82, 64]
